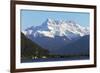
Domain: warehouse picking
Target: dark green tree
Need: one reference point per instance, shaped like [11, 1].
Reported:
[30, 49]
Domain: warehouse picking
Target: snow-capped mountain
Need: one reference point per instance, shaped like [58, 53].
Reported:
[55, 35]
[51, 28]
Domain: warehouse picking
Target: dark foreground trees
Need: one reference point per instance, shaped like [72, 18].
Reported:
[29, 49]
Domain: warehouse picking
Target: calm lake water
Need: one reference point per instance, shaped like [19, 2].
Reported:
[54, 59]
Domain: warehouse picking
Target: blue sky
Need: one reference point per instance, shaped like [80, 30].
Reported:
[35, 18]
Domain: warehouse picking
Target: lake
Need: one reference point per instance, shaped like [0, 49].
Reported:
[54, 59]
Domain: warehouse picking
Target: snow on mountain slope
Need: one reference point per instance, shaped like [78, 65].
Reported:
[51, 28]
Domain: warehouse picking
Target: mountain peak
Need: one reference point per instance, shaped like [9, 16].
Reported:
[53, 28]
[49, 19]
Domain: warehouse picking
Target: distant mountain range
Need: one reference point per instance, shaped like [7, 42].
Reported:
[51, 28]
[60, 37]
